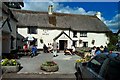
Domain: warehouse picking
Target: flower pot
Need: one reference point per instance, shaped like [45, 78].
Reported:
[10, 68]
[49, 68]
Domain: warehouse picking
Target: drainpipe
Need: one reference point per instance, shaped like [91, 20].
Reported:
[0, 31]
[0, 37]
[0, 40]
[69, 30]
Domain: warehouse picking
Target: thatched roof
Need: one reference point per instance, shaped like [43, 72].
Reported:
[59, 20]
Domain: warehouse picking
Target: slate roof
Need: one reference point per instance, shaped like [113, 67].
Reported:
[7, 11]
[59, 21]
[61, 34]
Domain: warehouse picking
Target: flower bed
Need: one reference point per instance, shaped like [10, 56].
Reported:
[49, 66]
[9, 65]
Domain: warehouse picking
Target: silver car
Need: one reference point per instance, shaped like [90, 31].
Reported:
[101, 67]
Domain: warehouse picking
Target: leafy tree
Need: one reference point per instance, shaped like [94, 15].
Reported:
[16, 5]
[113, 41]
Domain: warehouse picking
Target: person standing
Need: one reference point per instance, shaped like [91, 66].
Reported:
[34, 50]
[55, 48]
[45, 49]
[25, 48]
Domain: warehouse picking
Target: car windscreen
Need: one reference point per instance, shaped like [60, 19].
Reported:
[96, 63]
[113, 71]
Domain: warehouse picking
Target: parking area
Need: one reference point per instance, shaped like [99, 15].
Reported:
[31, 66]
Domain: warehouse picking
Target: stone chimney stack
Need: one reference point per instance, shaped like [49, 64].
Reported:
[50, 9]
[98, 14]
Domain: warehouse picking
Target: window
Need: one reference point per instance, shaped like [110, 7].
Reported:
[32, 30]
[83, 34]
[74, 34]
[96, 63]
[85, 44]
[75, 43]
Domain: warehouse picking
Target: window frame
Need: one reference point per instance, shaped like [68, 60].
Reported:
[75, 34]
[83, 34]
[86, 43]
[32, 30]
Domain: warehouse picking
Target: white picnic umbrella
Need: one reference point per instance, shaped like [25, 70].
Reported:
[30, 38]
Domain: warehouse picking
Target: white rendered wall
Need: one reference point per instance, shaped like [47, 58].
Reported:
[47, 38]
[100, 39]
[49, 34]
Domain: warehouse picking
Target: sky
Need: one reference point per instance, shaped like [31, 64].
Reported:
[109, 10]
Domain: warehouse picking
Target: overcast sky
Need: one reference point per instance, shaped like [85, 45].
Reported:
[109, 10]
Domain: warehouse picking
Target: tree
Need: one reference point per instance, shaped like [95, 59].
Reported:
[113, 41]
[16, 5]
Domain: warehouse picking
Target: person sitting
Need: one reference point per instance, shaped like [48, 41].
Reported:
[106, 49]
[67, 52]
[93, 51]
[101, 49]
[98, 51]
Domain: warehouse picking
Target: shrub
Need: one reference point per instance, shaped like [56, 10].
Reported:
[49, 63]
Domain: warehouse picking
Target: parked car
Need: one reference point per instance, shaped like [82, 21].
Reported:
[100, 67]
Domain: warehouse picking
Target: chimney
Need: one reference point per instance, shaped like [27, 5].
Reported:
[50, 9]
[98, 14]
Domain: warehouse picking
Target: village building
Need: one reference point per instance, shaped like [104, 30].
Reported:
[65, 29]
[8, 29]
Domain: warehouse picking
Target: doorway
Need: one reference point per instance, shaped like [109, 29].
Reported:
[62, 44]
[85, 44]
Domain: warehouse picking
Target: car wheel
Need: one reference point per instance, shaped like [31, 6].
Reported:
[78, 76]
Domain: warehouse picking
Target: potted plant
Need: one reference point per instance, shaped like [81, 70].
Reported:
[49, 66]
[10, 65]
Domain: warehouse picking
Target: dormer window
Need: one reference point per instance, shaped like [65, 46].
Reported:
[75, 34]
[83, 34]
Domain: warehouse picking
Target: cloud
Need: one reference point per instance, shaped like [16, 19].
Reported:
[36, 6]
[43, 6]
[60, 8]
[113, 23]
